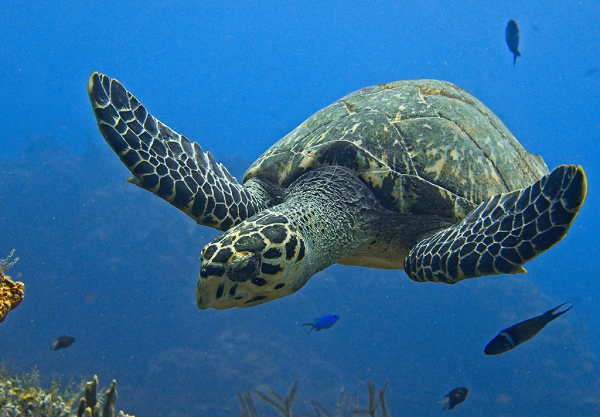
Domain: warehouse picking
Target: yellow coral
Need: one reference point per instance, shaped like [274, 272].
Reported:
[23, 396]
[11, 293]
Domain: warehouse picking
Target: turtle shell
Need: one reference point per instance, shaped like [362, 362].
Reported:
[421, 146]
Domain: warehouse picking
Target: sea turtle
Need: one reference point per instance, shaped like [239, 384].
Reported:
[416, 175]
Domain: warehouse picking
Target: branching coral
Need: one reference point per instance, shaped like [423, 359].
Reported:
[23, 396]
[11, 293]
[89, 406]
[283, 403]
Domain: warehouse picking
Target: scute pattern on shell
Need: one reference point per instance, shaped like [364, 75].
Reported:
[422, 146]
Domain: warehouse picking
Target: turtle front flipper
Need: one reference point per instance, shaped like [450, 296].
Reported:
[169, 165]
[504, 233]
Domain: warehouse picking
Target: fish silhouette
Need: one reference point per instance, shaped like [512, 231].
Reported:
[513, 336]
[512, 39]
[62, 342]
[325, 322]
[455, 397]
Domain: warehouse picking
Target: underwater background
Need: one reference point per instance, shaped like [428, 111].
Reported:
[116, 267]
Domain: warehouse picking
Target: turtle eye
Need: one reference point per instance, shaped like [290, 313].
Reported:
[211, 270]
[245, 269]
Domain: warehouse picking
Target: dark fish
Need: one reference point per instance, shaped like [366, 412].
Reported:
[62, 342]
[512, 39]
[325, 322]
[455, 397]
[513, 336]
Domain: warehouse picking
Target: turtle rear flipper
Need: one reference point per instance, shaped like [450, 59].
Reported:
[169, 165]
[504, 233]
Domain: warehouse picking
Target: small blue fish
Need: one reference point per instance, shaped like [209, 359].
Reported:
[325, 322]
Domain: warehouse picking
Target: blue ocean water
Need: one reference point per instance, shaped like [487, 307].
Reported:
[116, 267]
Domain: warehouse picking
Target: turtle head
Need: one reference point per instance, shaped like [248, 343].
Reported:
[259, 260]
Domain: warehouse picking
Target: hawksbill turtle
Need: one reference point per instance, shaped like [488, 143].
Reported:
[416, 175]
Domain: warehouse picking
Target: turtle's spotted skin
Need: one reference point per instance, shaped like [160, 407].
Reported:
[283, 246]
[416, 175]
[503, 233]
[274, 250]
[168, 164]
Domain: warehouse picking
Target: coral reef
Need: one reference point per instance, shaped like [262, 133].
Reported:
[89, 406]
[23, 396]
[283, 403]
[11, 293]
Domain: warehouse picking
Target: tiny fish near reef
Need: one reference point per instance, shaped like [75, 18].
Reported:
[455, 397]
[325, 322]
[62, 342]
[513, 336]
